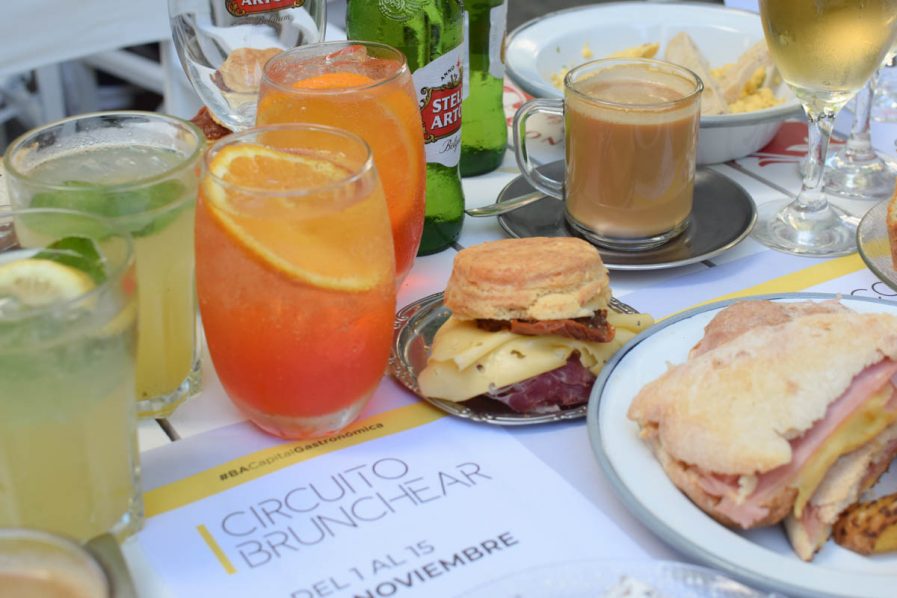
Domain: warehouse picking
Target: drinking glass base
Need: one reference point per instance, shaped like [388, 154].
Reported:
[872, 179]
[625, 244]
[783, 226]
[297, 427]
[164, 405]
[131, 522]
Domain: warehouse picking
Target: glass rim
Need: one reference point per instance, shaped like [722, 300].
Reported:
[569, 85]
[58, 541]
[355, 175]
[20, 141]
[307, 49]
[115, 274]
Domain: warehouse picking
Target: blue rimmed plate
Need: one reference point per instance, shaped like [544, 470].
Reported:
[761, 558]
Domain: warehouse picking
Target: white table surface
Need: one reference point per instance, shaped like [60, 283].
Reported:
[564, 447]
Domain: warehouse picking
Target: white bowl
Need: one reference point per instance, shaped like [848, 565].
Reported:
[542, 47]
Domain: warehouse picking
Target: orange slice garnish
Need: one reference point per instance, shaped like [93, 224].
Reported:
[334, 80]
[309, 247]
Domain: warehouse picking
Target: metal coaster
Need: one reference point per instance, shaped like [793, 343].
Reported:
[873, 245]
[723, 215]
[416, 325]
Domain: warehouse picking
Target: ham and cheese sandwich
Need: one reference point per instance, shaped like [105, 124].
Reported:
[530, 325]
[782, 412]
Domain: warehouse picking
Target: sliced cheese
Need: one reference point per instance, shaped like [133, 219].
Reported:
[462, 342]
[859, 428]
[466, 361]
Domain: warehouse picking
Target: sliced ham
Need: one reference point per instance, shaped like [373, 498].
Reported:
[746, 510]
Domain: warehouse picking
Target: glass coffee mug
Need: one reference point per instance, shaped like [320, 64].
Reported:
[631, 131]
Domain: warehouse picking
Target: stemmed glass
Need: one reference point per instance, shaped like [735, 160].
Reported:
[223, 45]
[884, 107]
[858, 171]
[825, 50]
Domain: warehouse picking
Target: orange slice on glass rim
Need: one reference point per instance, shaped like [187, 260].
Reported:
[312, 251]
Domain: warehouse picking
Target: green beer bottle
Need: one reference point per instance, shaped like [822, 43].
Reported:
[485, 134]
[431, 34]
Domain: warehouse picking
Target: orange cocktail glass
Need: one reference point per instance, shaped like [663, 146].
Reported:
[295, 275]
[365, 88]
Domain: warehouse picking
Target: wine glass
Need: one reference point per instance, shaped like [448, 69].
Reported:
[825, 50]
[857, 171]
[223, 45]
[884, 108]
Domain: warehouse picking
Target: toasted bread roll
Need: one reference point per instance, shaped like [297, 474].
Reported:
[538, 278]
[870, 527]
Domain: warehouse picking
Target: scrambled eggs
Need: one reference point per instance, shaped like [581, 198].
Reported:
[754, 96]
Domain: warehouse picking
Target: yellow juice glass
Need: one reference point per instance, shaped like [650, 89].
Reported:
[68, 447]
[140, 170]
[295, 273]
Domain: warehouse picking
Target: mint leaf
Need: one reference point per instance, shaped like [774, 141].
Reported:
[80, 253]
[133, 209]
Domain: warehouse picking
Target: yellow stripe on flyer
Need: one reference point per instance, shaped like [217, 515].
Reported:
[213, 545]
[250, 467]
[796, 281]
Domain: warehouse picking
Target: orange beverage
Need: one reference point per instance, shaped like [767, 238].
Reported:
[295, 275]
[364, 88]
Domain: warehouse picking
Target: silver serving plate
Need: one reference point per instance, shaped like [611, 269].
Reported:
[873, 245]
[416, 325]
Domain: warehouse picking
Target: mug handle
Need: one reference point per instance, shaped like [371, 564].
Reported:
[546, 185]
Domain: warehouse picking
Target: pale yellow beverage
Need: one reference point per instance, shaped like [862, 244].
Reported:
[143, 177]
[68, 447]
[160, 220]
[827, 49]
[167, 320]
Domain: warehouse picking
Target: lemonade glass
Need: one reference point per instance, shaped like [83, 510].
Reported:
[141, 171]
[68, 446]
[365, 88]
[295, 275]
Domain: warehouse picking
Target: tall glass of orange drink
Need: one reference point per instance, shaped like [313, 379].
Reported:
[295, 274]
[364, 88]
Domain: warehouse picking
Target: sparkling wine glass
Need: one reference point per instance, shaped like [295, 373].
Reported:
[884, 106]
[825, 50]
[223, 45]
[857, 171]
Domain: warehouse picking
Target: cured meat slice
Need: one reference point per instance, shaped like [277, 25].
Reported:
[561, 388]
[594, 328]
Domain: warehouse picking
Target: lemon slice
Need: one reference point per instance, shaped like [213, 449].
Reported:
[39, 282]
[312, 253]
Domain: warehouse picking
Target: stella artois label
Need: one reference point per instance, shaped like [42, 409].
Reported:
[241, 8]
[439, 93]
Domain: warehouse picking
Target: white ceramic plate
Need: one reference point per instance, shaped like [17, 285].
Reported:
[544, 46]
[591, 579]
[762, 558]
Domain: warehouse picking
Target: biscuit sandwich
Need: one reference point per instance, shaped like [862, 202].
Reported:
[530, 327]
[782, 413]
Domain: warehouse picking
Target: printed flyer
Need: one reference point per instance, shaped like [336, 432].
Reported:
[406, 503]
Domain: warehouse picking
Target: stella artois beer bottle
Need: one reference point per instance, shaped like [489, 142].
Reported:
[431, 34]
[485, 134]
